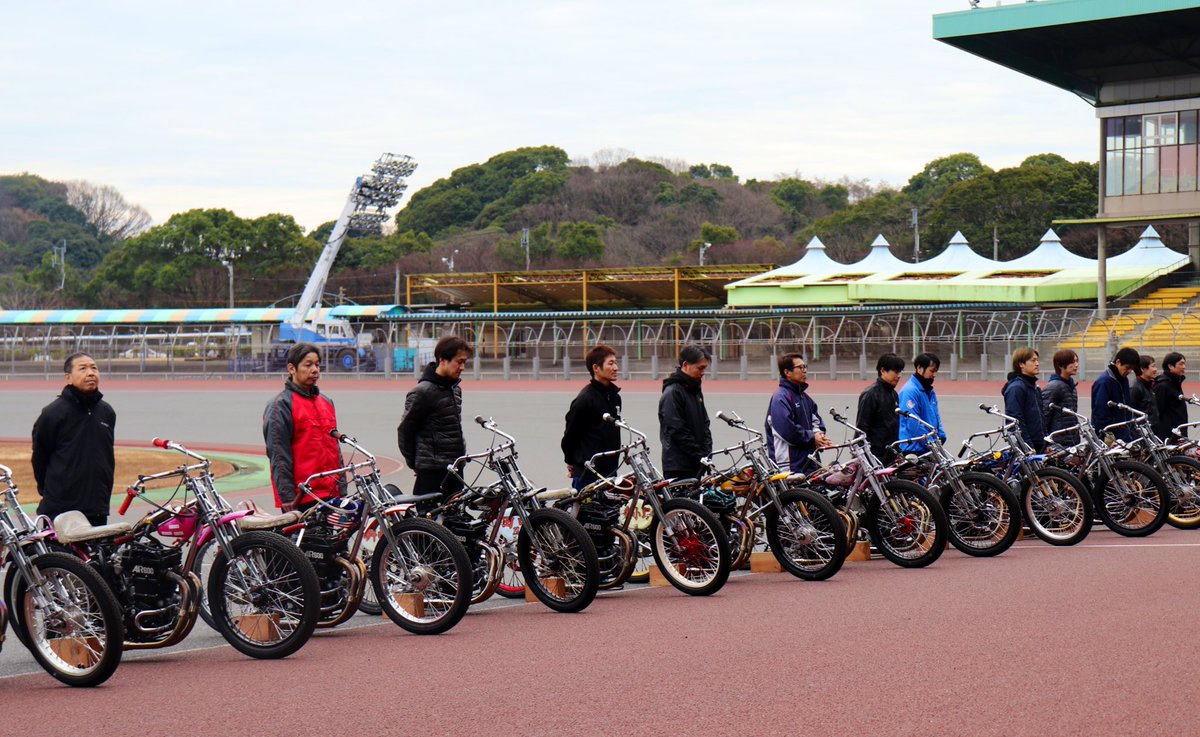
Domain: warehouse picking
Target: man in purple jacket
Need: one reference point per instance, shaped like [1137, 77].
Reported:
[795, 431]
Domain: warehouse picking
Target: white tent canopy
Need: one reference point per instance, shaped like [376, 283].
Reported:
[958, 256]
[878, 259]
[1149, 251]
[814, 262]
[1050, 254]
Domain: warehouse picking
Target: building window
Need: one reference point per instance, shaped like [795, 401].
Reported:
[1150, 154]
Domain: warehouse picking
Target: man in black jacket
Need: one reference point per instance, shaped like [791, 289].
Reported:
[586, 432]
[877, 407]
[683, 426]
[1141, 392]
[73, 460]
[430, 434]
[1172, 411]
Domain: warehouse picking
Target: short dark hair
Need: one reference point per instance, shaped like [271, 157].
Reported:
[1171, 359]
[925, 360]
[889, 362]
[449, 347]
[296, 354]
[694, 354]
[69, 364]
[1021, 355]
[597, 356]
[1144, 362]
[1128, 356]
[786, 360]
[1064, 357]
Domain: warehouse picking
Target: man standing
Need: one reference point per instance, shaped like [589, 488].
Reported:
[1141, 394]
[918, 397]
[1061, 391]
[795, 432]
[1113, 385]
[1172, 411]
[586, 432]
[877, 408]
[1022, 399]
[73, 460]
[296, 427]
[683, 426]
[430, 433]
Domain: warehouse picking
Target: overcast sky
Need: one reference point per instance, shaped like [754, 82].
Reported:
[276, 107]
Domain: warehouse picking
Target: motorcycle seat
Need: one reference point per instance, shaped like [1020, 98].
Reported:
[268, 521]
[553, 494]
[414, 498]
[73, 527]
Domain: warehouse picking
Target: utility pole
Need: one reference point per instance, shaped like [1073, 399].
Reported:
[995, 244]
[525, 245]
[396, 291]
[58, 258]
[226, 259]
[916, 226]
[704, 247]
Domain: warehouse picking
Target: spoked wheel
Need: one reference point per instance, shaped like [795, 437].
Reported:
[76, 632]
[691, 547]
[512, 583]
[423, 582]
[983, 516]
[1057, 507]
[264, 595]
[807, 538]
[644, 558]
[1135, 503]
[1185, 493]
[909, 528]
[561, 570]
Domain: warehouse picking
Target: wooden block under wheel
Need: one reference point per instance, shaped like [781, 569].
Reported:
[764, 563]
[860, 551]
[555, 586]
[412, 604]
[260, 627]
[657, 578]
[81, 652]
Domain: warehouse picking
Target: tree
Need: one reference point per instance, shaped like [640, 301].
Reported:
[106, 209]
[717, 234]
[580, 241]
[794, 197]
[940, 175]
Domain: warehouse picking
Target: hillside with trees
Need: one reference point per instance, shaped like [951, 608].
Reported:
[610, 210]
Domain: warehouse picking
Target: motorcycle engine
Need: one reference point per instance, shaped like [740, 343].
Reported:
[144, 566]
[598, 518]
[463, 526]
[322, 544]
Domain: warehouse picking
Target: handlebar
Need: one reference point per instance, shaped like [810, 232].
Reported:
[1136, 413]
[160, 443]
[129, 494]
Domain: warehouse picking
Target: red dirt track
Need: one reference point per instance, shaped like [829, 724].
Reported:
[1090, 640]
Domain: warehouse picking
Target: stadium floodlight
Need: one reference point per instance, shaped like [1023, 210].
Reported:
[449, 262]
[378, 191]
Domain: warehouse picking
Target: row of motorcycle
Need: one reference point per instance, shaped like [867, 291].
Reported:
[78, 595]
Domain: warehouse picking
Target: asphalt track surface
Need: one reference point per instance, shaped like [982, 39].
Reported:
[1093, 639]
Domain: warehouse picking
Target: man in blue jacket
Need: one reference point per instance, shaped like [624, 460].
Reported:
[1022, 399]
[795, 431]
[1113, 385]
[918, 397]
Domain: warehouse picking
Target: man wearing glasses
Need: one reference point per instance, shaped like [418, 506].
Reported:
[795, 431]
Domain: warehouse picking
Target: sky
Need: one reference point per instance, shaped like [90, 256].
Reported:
[264, 107]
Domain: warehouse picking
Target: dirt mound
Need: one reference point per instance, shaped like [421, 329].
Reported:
[130, 462]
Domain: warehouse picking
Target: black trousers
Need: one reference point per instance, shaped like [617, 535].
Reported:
[434, 481]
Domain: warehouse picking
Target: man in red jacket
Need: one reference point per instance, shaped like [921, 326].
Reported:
[296, 427]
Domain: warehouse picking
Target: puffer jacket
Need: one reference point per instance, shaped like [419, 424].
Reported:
[1141, 395]
[430, 433]
[1062, 392]
[683, 426]
[1023, 401]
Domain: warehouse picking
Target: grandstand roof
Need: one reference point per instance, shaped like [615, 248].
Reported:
[879, 258]
[1081, 45]
[959, 275]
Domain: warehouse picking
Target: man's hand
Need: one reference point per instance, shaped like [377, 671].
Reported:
[288, 506]
[822, 441]
[570, 472]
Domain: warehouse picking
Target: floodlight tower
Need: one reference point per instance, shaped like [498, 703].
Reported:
[365, 212]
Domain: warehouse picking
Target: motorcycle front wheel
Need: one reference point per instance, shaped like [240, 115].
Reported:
[423, 582]
[1057, 507]
[807, 537]
[983, 514]
[1136, 502]
[561, 569]
[691, 547]
[264, 596]
[909, 528]
[75, 632]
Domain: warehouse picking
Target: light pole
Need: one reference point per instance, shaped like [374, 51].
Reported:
[525, 245]
[59, 258]
[449, 262]
[704, 247]
[226, 259]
